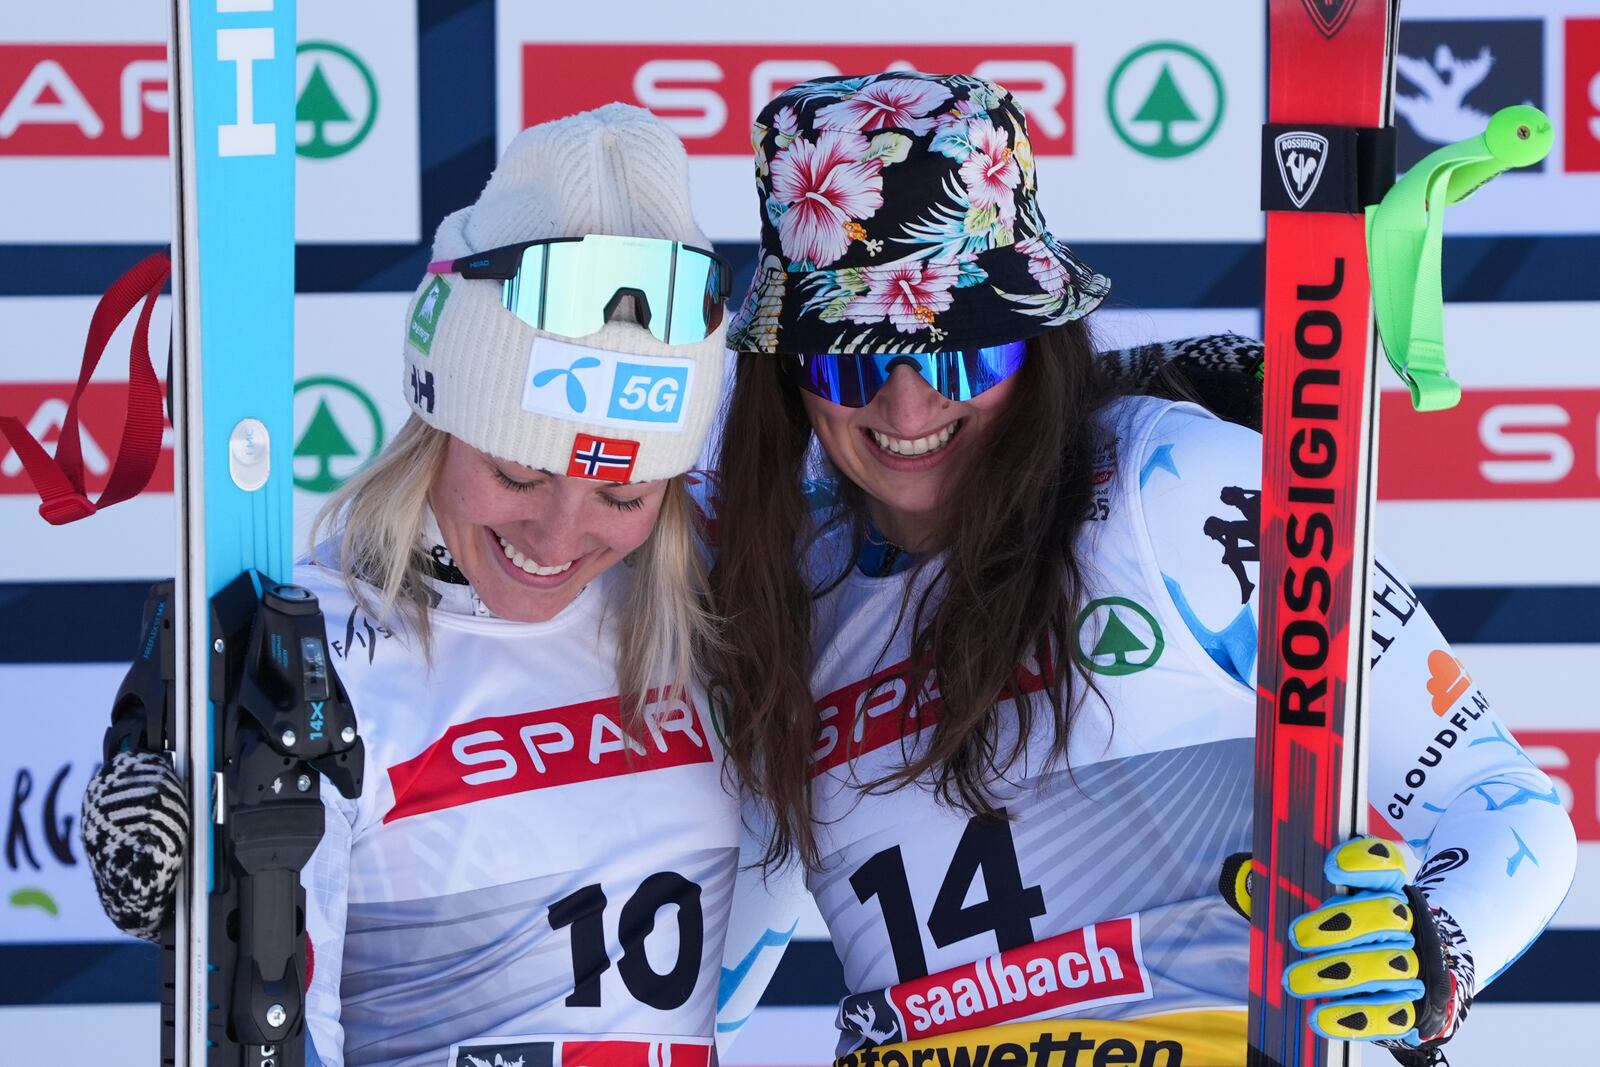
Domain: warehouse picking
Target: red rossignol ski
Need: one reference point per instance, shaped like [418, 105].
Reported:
[1327, 152]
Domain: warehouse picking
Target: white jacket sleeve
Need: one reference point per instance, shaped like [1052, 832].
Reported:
[1497, 847]
[766, 910]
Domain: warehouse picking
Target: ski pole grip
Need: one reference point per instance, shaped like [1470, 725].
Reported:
[1405, 244]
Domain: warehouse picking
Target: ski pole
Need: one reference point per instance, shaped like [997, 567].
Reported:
[1405, 239]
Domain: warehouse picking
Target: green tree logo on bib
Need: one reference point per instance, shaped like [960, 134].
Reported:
[1117, 636]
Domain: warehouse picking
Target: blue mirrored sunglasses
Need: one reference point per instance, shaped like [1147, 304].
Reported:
[854, 380]
[571, 286]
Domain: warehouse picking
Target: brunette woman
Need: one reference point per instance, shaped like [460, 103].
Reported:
[994, 674]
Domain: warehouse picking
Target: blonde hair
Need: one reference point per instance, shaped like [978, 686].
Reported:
[374, 523]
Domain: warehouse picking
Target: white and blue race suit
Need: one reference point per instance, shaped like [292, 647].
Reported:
[1087, 925]
[524, 879]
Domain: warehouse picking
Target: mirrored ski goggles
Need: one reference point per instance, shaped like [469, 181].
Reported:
[854, 380]
[572, 285]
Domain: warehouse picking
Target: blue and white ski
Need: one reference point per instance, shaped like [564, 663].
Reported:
[257, 710]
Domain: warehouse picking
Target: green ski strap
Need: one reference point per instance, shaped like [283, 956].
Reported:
[1405, 237]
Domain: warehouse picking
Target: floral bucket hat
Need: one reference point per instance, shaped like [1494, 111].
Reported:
[899, 214]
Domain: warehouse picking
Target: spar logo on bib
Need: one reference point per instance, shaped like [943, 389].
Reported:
[1091, 967]
[502, 755]
[609, 388]
[866, 715]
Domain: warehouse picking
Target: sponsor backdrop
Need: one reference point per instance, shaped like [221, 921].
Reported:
[1144, 120]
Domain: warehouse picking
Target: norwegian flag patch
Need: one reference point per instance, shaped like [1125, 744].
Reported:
[605, 459]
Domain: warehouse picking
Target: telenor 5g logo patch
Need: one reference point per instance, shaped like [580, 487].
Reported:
[649, 393]
[592, 385]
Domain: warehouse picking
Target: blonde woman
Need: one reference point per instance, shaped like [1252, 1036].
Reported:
[542, 864]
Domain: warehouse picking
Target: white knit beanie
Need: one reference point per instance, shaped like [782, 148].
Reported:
[476, 371]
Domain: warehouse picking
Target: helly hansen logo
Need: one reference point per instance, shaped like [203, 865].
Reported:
[422, 389]
[507, 754]
[1301, 159]
[1081, 969]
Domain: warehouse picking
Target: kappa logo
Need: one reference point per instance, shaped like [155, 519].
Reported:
[1301, 159]
[1330, 15]
[1239, 538]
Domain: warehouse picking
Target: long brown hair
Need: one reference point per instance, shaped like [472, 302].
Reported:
[1006, 588]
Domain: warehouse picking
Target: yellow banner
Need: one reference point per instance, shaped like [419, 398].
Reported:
[1181, 1039]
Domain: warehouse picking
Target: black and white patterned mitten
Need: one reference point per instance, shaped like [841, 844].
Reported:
[135, 825]
[1220, 371]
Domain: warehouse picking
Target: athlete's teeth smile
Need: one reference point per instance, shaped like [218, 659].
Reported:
[528, 565]
[919, 446]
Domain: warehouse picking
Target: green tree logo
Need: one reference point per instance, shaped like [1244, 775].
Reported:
[1126, 637]
[1165, 99]
[330, 411]
[337, 101]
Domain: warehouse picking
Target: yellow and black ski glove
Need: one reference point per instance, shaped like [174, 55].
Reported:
[1376, 956]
